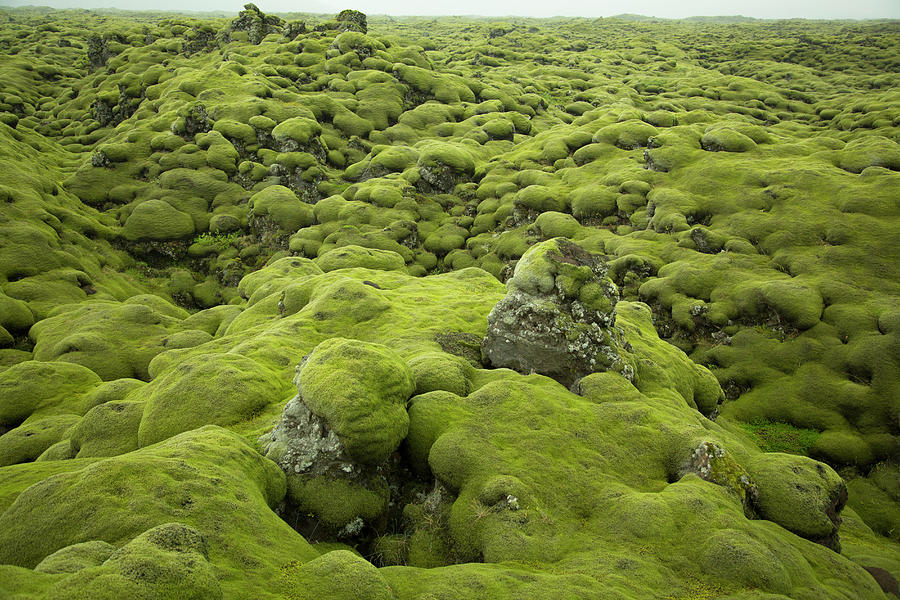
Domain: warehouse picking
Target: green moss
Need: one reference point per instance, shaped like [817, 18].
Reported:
[46, 387]
[869, 151]
[337, 502]
[295, 131]
[781, 437]
[236, 131]
[593, 202]
[877, 507]
[30, 439]
[394, 159]
[76, 557]
[356, 256]
[16, 314]
[627, 135]
[108, 429]
[439, 155]
[282, 206]
[83, 334]
[553, 224]
[170, 557]
[539, 198]
[736, 557]
[157, 220]
[221, 389]
[445, 238]
[468, 142]
[439, 371]
[360, 389]
[224, 474]
[339, 574]
[842, 448]
[798, 493]
[727, 140]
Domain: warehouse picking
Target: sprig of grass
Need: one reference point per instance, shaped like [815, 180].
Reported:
[781, 437]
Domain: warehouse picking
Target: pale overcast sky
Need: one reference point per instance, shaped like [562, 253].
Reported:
[763, 9]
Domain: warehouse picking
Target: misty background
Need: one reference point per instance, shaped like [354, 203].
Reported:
[761, 9]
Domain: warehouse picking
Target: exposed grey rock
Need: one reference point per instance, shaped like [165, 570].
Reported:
[257, 24]
[352, 20]
[558, 316]
[302, 442]
[712, 463]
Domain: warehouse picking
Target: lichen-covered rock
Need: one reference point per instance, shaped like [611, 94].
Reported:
[360, 389]
[257, 24]
[712, 463]
[352, 20]
[304, 443]
[800, 494]
[558, 317]
[334, 457]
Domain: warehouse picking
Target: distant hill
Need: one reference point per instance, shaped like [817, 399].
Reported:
[698, 19]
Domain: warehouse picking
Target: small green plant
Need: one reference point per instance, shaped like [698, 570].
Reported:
[218, 240]
[781, 437]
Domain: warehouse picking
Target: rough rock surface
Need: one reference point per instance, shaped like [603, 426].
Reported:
[304, 443]
[257, 24]
[712, 463]
[336, 436]
[558, 317]
[352, 20]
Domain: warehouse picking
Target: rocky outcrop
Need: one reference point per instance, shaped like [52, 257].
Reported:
[712, 463]
[352, 20]
[256, 23]
[558, 316]
[337, 435]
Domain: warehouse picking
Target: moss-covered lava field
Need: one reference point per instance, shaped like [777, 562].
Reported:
[327, 306]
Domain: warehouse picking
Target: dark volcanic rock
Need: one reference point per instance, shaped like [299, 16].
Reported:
[558, 316]
[257, 24]
[352, 20]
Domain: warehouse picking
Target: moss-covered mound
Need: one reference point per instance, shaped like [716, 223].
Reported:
[305, 306]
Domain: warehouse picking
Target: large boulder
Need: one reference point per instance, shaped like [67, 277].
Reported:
[800, 494]
[558, 316]
[338, 433]
[256, 23]
[352, 20]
